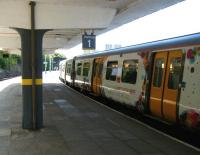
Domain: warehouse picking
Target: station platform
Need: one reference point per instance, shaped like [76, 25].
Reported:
[76, 125]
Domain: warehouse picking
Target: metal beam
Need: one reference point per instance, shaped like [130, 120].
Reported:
[32, 5]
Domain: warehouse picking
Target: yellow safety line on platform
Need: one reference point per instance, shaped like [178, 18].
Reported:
[28, 82]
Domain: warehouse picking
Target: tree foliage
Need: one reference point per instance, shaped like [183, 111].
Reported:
[52, 61]
[8, 60]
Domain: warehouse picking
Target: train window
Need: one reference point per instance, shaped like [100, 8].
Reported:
[111, 70]
[174, 73]
[129, 71]
[63, 68]
[69, 68]
[86, 68]
[158, 72]
[79, 67]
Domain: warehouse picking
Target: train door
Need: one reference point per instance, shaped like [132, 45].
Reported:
[167, 71]
[73, 72]
[97, 76]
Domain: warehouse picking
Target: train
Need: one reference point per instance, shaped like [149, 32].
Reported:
[160, 78]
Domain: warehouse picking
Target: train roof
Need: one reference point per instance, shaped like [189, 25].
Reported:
[182, 41]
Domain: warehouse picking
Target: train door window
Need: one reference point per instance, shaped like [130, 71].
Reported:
[100, 69]
[79, 67]
[111, 71]
[65, 69]
[69, 68]
[86, 68]
[95, 68]
[158, 72]
[129, 71]
[174, 73]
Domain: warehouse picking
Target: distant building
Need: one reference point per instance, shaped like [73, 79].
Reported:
[111, 46]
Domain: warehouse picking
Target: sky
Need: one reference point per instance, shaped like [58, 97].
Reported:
[177, 20]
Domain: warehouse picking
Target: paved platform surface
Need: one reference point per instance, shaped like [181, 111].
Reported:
[75, 125]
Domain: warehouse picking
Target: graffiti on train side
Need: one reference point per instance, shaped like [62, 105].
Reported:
[126, 90]
[190, 118]
[140, 103]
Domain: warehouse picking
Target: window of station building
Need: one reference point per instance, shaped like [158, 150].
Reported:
[79, 67]
[86, 68]
[69, 68]
[111, 71]
[129, 71]
[174, 73]
[158, 72]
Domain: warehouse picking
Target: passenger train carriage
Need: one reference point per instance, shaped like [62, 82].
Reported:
[160, 78]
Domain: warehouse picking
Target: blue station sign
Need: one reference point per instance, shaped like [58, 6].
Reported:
[88, 42]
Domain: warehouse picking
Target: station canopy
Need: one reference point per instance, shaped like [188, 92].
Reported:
[67, 20]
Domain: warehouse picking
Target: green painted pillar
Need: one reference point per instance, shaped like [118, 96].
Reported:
[31, 45]
[32, 102]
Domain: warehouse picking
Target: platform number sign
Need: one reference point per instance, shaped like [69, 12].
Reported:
[88, 42]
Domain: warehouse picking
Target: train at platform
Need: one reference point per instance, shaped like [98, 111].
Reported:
[160, 78]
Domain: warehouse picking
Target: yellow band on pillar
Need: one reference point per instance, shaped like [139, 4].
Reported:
[38, 81]
[28, 82]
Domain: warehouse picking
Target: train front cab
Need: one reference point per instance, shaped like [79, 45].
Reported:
[62, 66]
[166, 77]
